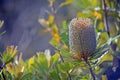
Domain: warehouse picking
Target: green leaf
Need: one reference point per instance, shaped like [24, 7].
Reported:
[64, 25]
[64, 76]
[113, 38]
[54, 43]
[30, 61]
[8, 75]
[82, 4]
[55, 58]
[64, 67]
[42, 61]
[100, 26]
[40, 64]
[9, 54]
[103, 38]
[51, 18]
[27, 76]
[105, 57]
[65, 39]
[99, 52]
[94, 3]
[83, 15]
[67, 2]
[54, 75]
[64, 53]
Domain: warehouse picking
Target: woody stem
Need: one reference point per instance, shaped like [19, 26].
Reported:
[90, 69]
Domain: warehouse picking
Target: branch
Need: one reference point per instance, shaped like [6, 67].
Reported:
[105, 18]
[3, 75]
[90, 69]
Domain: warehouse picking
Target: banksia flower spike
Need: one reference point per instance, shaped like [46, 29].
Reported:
[82, 38]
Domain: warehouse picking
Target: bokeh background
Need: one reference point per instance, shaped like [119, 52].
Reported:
[22, 26]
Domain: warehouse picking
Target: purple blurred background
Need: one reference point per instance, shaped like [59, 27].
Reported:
[22, 26]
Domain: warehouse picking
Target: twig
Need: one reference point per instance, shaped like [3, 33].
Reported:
[61, 57]
[69, 75]
[90, 69]
[3, 76]
[105, 18]
[52, 7]
[1, 67]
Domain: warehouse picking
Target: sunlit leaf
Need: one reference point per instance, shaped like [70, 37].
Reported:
[104, 77]
[54, 43]
[43, 22]
[10, 68]
[9, 54]
[50, 19]
[105, 57]
[103, 38]
[97, 14]
[1, 23]
[64, 25]
[83, 15]
[30, 61]
[55, 34]
[54, 28]
[55, 58]
[64, 38]
[100, 26]
[98, 70]
[67, 2]
[42, 61]
[94, 2]
[56, 37]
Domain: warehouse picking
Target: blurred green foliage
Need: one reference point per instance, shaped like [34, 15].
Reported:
[61, 65]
